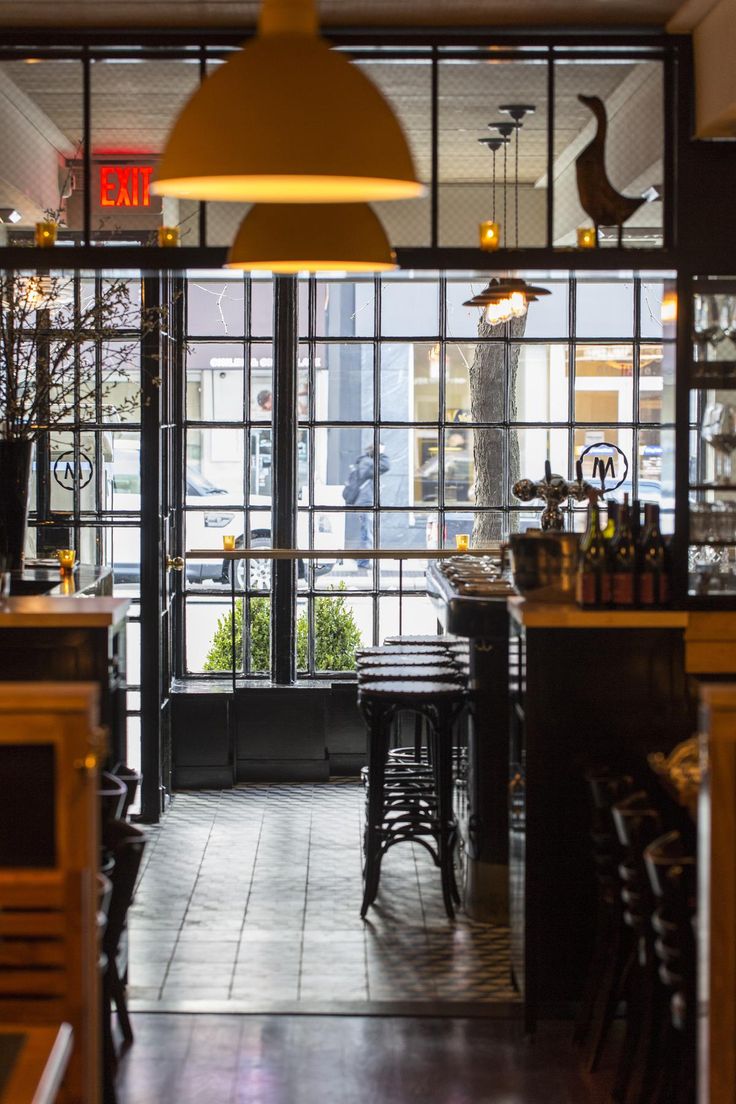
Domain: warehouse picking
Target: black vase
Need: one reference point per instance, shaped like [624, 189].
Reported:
[15, 476]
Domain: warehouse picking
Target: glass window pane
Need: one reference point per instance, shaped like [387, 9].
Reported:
[418, 616]
[656, 401]
[410, 381]
[489, 452]
[261, 382]
[540, 383]
[604, 309]
[606, 451]
[260, 467]
[343, 382]
[407, 576]
[343, 461]
[216, 306]
[549, 316]
[534, 447]
[459, 466]
[409, 307]
[604, 383]
[656, 461]
[411, 459]
[652, 294]
[403, 528]
[261, 307]
[215, 382]
[208, 635]
[345, 308]
[214, 469]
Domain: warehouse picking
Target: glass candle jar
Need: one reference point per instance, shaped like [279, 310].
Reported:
[587, 237]
[462, 542]
[168, 235]
[228, 542]
[489, 233]
[46, 233]
[67, 558]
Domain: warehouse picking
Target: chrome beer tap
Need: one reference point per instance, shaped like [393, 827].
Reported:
[553, 490]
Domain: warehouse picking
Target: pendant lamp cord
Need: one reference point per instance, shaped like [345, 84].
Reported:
[288, 17]
[494, 185]
[516, 185]
[504, 193]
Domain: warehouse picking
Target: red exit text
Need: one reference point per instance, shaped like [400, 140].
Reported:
[125, 185]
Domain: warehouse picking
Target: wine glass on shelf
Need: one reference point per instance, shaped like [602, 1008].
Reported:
[719, 431]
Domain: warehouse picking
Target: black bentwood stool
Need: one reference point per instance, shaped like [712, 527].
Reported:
[670, 865]
[613, 950]
[421, 809]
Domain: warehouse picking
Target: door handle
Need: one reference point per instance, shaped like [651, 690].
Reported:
[174, 563]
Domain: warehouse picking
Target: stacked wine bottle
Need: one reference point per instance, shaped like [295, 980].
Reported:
[625, 565]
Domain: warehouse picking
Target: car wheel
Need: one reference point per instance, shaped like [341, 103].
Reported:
[260, 570]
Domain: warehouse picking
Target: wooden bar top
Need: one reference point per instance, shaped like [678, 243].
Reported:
[41, 612]
[567, 615]
[39, 1059]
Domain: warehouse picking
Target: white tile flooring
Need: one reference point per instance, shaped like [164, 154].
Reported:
[249, 901]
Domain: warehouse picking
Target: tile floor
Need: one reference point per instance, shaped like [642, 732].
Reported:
[249, 901]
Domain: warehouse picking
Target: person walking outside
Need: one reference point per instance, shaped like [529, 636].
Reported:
[358, 491]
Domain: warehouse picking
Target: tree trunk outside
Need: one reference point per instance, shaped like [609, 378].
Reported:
[487, 404]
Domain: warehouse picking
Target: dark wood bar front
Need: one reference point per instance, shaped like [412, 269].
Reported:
[587, 690]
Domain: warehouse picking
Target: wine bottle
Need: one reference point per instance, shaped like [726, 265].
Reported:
[611, 520]
[652, 561]
[622, 560]
[593, 577]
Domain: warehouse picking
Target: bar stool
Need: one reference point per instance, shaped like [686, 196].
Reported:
[440, 703]
[638, 822]
[670, 866]
[613, 949]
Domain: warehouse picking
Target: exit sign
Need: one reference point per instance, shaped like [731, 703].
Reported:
[125, 185]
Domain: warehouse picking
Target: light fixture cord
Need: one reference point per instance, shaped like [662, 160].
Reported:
[494, 184]
[516, 185]
[504, 192]
[288, 17]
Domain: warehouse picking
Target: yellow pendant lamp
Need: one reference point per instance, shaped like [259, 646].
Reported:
[319, 237]
[287, 120]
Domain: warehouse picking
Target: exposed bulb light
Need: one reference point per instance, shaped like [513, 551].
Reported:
[505, 299]
[319, 237]
[287, 120]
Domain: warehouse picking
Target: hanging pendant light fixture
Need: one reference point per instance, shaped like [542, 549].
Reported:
[315, 237]
[518, 113]
[506, 298]
[505, 128]
[287, 120]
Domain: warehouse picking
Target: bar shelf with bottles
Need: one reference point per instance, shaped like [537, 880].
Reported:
[627, 564]
[711, 498]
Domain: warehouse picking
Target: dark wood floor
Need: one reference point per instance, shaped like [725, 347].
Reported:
[236, 1059]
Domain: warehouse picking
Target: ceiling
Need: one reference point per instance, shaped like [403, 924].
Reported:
[344, 13]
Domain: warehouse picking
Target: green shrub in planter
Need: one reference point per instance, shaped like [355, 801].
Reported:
[336, 636]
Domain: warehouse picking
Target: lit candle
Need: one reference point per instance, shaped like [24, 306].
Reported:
[462, 542]
[490, 235]
[587, 237]
[228, 541]
[168, 235]
[66, 558]
[46, 232]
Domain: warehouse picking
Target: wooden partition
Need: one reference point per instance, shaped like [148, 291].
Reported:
[50, 747]
[717, 896]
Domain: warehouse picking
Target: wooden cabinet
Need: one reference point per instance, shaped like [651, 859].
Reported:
[50, 749]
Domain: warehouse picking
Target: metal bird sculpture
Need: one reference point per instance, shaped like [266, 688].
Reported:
[598, 197]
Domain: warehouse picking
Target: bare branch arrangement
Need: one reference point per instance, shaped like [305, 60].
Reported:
[63, 351]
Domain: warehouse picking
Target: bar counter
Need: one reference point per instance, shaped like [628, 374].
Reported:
[69, 634]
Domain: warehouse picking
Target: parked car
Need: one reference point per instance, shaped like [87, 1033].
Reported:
[204, 528]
